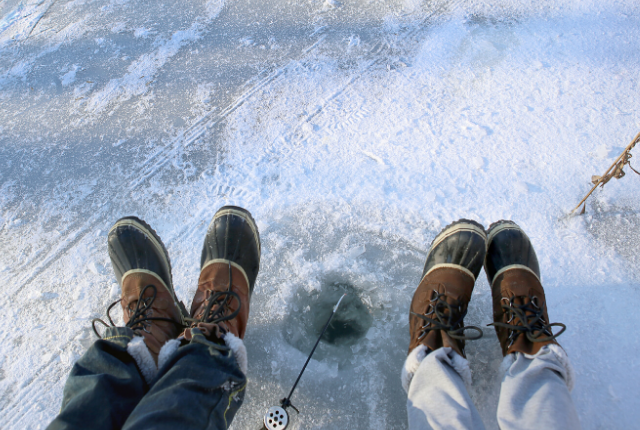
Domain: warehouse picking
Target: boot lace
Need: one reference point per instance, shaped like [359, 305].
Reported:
[527, 319]
[441, 315]
[217, 306]
[139, 317]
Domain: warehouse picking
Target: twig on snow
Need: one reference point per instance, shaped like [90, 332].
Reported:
[614, 171]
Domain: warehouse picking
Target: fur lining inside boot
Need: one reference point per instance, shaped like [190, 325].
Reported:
[237, 346]
[167, 351]
[140, 353]
[411, 365]
[444, 354]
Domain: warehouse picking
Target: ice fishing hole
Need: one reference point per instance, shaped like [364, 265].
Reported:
[308, 313]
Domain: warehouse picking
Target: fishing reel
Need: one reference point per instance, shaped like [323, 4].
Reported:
[276, 418]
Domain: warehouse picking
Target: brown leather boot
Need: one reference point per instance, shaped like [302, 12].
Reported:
[229, 267]
[519, 306]
[440, 302]
[141, 265]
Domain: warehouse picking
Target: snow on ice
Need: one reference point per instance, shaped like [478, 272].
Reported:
[353, 131]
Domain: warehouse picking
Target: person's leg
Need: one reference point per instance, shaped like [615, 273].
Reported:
[107, 383]
[437, 393]
[104, 385]
[436, 370]
[535, 391]
[201, 386]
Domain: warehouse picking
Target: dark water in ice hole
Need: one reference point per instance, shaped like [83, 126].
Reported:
[308, 315]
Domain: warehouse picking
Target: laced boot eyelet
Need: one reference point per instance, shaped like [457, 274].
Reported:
[140, 317]
[534, 302]
[429, 311]
[511, 338]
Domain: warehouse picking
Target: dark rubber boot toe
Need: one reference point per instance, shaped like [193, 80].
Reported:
[461, 244]
[134, 245]
[509, 246]
[233, 236]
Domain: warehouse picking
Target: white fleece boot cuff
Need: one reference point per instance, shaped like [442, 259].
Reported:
[445, 354]
[411, 365]
[236, 345]
[140, 353]
[167, 351]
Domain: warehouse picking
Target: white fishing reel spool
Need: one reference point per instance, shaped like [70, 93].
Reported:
[276, 418]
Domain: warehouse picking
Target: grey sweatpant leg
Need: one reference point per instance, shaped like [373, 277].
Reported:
[438, 398]
[534, 393]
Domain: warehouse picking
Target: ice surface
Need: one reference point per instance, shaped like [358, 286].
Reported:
[353, 131]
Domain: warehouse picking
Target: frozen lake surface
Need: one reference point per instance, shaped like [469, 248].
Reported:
[353, 130]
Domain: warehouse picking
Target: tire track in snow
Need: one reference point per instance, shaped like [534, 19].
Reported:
[199, 129]
[61, 249]
[23, 20]
[380, 52]
[159, 159]
[165, 155]
[14, 411]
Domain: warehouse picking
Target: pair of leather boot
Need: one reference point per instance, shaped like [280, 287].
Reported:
[453, 264]
[228, 269]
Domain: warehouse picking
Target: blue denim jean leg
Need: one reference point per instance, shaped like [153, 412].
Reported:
[200, 387]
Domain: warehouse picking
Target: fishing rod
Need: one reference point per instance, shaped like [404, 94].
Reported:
[277, 417]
